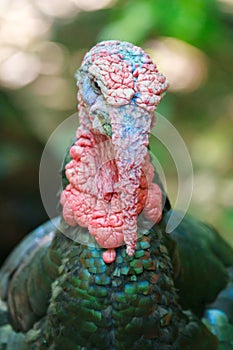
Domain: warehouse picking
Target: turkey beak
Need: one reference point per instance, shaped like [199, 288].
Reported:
[130, 126]
[100, 117]
[102, 125]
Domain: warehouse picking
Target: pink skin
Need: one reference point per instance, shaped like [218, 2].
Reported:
[109, 256]
[110, 178]
[92, 198]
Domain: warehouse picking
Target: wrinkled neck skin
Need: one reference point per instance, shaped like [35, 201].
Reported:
[110, 178]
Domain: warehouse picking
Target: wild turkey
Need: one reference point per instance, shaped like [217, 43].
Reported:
[105, 274]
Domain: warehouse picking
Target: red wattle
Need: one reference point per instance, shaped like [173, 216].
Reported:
[94, 198]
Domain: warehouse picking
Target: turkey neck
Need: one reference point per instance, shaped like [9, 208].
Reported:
[110, 179]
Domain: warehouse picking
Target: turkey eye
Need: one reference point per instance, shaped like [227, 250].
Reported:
[96, 87]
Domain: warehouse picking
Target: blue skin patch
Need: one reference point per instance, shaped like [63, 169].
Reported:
[131, 57]
[89, 96]
[135, 96]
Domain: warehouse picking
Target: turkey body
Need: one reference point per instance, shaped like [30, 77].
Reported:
[65, 296]
[105, 274]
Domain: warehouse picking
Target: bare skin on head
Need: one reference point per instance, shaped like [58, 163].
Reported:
[110, 175]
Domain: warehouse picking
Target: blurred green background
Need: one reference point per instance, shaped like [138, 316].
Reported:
[42, 44]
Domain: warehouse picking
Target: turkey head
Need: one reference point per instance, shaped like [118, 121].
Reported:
[110, 174]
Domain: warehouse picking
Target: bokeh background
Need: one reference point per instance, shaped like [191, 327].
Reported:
[41, 45]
